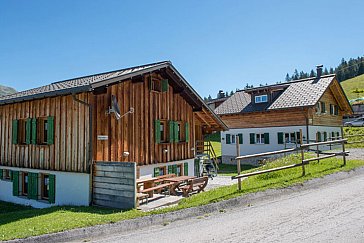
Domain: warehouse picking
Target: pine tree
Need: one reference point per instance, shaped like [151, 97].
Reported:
[295, 75]
[360, 69]
[288, 78]
[226, 94]
[209, 98]
[331, 70]
[231, 93]
[326, 72]
[312, 73]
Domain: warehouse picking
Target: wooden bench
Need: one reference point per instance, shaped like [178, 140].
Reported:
[142, 196]
[158, 187]
[194, 185]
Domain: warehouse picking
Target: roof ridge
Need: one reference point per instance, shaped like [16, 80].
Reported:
[113, 71]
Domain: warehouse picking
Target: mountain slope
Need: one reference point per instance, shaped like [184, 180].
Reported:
[4, 90]
[351, 85]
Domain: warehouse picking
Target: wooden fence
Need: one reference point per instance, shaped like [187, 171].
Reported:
[302, 148]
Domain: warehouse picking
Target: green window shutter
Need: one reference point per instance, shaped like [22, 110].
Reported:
[325, 136]
[165, 85]
[266, 138]
[252, 138]
[319, 137]
[170, 169]
[228, 139]
[28, 130]
[11, 175]
[338, 135]
[197, 167]
[240, 135]
[50, 131]
[33, 186]
[280, 138]
[174, 169]
[171, 131]
[15, 132]
[185, 169]
[187, 131]
[332, 135]
[15, 177]
[336, 110]
[331, 109]
[156, 172]
[157, 131]
[34, 131]
[1, 174]
[176, 138]
[52, 189]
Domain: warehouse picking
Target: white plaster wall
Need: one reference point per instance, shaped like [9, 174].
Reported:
[71, 189]
[229, 150]
[147, 171]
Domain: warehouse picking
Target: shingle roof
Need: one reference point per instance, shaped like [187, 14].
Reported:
[74, 85]
[305, 92]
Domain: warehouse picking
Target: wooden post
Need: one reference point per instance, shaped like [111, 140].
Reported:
[302, 153]
[238, 161]
[317, 148]
[343, 145]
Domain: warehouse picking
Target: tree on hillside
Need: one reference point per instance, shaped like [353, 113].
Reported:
[361, 69]
[288, 78]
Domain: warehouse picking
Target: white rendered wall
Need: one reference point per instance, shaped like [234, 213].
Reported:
[229, 150]
[71, 189]
[147, 171]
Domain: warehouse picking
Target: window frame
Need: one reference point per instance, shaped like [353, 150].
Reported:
[42, 133]
[42, 185]
[22, 132]
[6, 175]
[323, 105]
[179, 169]
[24, 183]
[165, 132]
[259, 98]
[259, 138]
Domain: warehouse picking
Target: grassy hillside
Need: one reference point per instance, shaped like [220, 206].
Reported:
[6, 90]
[351, 85]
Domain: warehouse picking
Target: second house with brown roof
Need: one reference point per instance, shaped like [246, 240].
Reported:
[270, 118]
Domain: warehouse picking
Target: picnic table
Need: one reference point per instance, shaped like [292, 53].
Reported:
[147, 183]
[177, 181]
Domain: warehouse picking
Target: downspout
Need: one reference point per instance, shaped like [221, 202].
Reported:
[90, 148]
[307, 133]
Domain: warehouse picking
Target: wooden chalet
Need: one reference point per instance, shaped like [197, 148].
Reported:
[52, 135]
[270, 117]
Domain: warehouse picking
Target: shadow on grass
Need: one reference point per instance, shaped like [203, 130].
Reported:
[10, 212]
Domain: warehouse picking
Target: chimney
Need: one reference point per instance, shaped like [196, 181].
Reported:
[319, 70]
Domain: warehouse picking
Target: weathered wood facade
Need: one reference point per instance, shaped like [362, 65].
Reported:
[130, 139]
[69, 152]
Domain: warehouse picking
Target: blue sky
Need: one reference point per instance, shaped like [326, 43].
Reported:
[214, 44]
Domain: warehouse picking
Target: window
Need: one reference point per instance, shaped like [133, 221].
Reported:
[6, 175]
[318, 109]
[179, 170]
[261, 98]
[259, 138]
[233, 139]
[45, 186]
[22, 131]
[42, 131]
[290, 137]
[323, 107]
[163, 131]
[334, 110]
[25, 181]
[158, 85]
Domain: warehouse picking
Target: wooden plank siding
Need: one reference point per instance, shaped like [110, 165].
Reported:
[134, 133]
[70, 149]
[327, 119]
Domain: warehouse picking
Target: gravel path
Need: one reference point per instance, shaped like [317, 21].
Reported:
[356, 153]
[333, 212]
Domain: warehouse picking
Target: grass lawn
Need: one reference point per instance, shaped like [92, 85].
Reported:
[354, 131]
[351, 85]
[20, 222]
[231, 170]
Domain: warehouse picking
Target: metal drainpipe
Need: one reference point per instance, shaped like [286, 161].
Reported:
[307, 133]
[90, 141]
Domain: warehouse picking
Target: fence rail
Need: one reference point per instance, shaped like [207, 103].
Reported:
[302, 148]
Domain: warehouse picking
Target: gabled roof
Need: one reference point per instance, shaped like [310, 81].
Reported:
[92, 82]
[76, 85]
[304, 93]
[299, 93]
